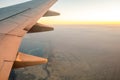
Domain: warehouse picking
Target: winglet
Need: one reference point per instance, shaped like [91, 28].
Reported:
[24, 60]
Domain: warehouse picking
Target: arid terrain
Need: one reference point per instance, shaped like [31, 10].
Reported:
[74, 53]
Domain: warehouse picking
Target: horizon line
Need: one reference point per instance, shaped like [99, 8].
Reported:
[79, 22]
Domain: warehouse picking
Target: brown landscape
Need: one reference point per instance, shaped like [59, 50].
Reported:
[76, 52]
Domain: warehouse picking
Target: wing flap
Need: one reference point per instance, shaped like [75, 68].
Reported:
[9, 46]
[5, 70]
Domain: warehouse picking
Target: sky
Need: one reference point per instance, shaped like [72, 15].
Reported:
[82, 11]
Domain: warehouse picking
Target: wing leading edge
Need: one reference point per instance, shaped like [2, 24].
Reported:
[13, 27]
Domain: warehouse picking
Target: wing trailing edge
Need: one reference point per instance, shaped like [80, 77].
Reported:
[24, 60]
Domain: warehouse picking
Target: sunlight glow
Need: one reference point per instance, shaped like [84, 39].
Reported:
[86, 12]
[50, 21]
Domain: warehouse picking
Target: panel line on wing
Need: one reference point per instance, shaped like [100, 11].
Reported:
[15, 14]
[1, 64]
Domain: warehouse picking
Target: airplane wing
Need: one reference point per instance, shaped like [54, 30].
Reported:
[15, 22]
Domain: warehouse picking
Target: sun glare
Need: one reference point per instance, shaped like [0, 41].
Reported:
[85, 12]
[54, 21]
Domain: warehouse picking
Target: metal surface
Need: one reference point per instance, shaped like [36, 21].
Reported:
[51, 13]
[13, 20]
[40, 28]
[24, 60]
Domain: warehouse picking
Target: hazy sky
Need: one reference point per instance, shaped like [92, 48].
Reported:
[87, 10]
[80, 10]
